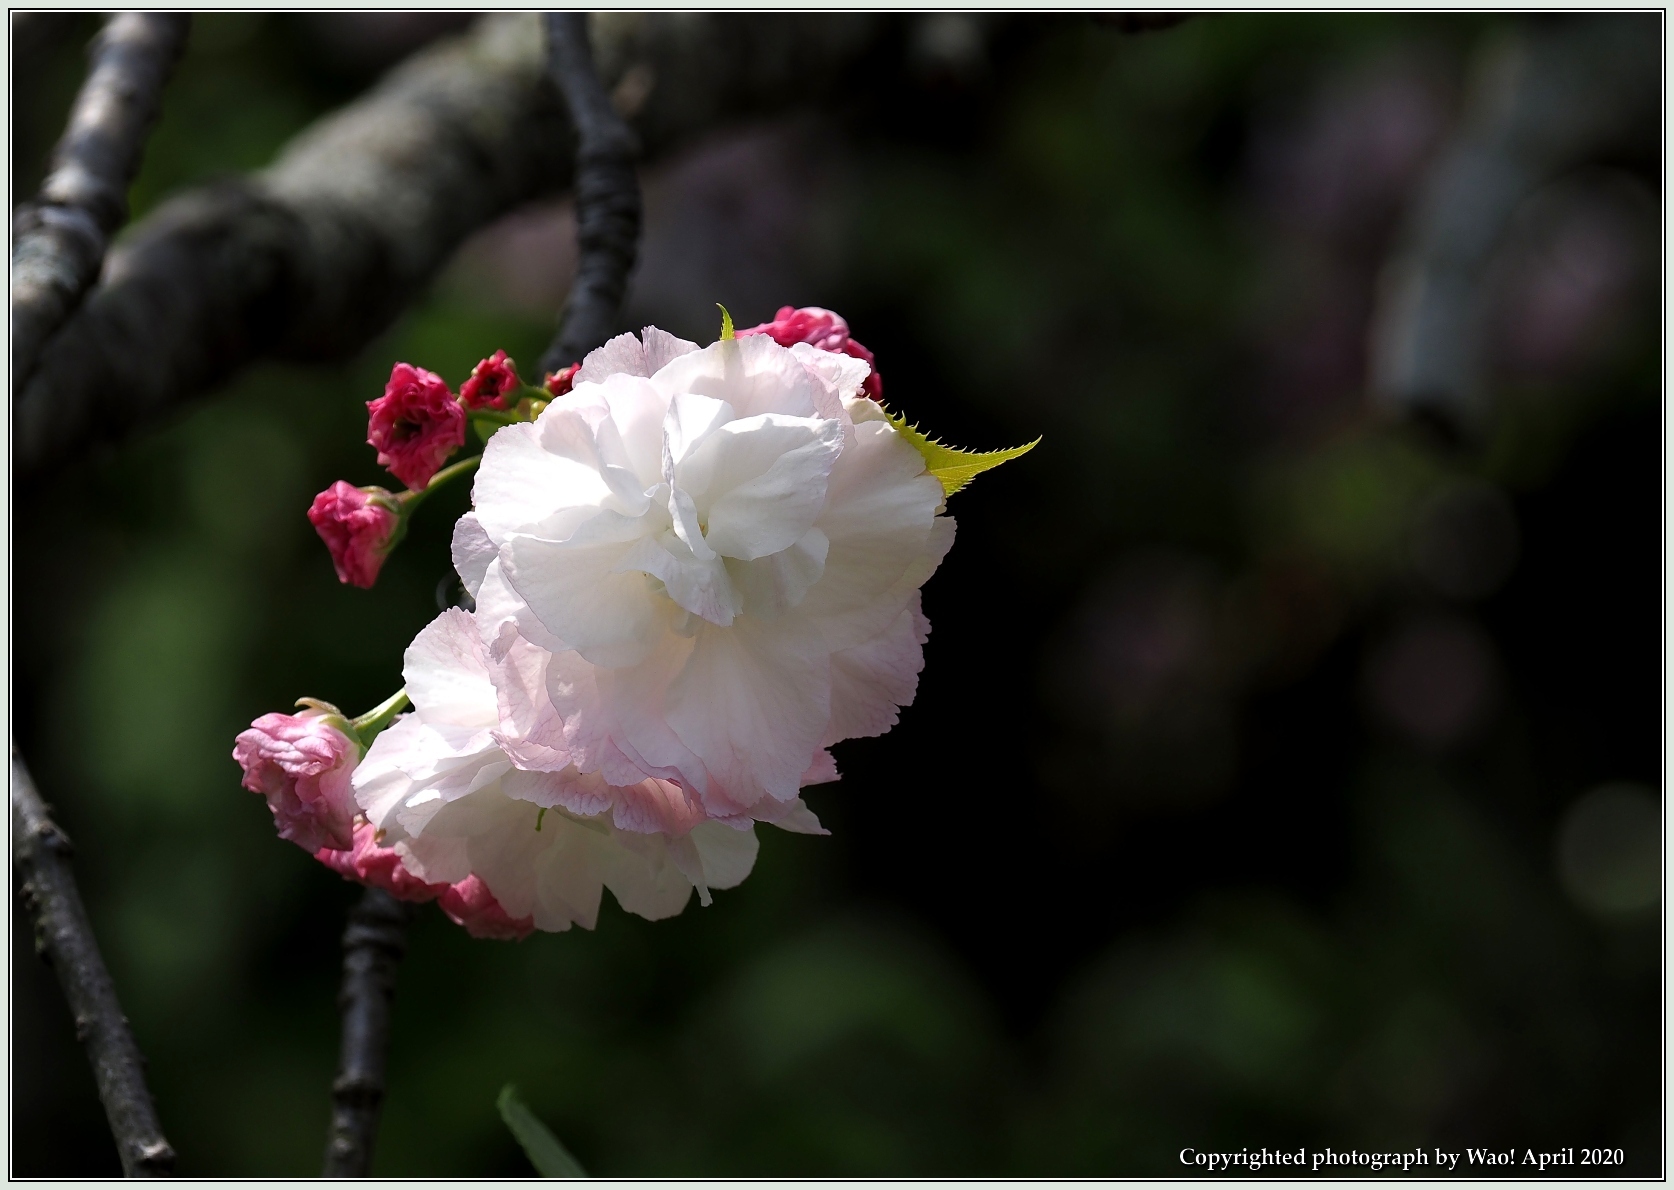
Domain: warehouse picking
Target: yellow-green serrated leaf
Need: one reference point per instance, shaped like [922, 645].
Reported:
[726, 323]
[954, 467]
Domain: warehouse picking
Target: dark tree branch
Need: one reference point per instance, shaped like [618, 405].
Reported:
[1542, 99]
[607, 203]
[315, 256]
[60, 238]
[372, 948]
[64, 938]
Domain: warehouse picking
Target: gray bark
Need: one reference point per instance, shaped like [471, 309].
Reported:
[373, 944]
[60, 238]
[314, 256]
[64, 938]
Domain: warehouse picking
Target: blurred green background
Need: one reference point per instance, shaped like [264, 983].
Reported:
[1277, 777]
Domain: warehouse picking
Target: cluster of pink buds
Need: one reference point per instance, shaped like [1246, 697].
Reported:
[416, 426]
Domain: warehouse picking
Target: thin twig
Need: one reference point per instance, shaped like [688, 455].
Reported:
[65, 940]
[607, 203]
[372, 948]
[60, 238]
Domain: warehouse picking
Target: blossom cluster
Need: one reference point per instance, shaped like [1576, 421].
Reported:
[691, 572]
[416, 426]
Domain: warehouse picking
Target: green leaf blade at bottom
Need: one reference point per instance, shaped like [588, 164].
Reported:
[544, 1150]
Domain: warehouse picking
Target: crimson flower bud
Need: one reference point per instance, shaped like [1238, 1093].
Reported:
[358, 526]
[490, 381]
[415, 425]
[821, 328]
[560, 382]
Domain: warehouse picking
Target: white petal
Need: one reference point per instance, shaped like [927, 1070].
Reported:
[700, 586]
[569, 879]
[446, 668]
[769, 587]
[624, 353]
[838, 377]
[662, 348]
[473, 550]
[690, 419]
[543, 476]
[728, 854]
[753, 374]
[610, 617]
[761, 481]
[751, 702]
[640, 874]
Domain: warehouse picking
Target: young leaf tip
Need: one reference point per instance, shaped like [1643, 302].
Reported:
[726, 323]
[952, 466]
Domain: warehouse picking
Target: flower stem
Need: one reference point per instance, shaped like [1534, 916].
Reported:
[368, 726]
[411, 499]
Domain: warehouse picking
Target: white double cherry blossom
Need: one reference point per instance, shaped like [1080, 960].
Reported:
[693, 574]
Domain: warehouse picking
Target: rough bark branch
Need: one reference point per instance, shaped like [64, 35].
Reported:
[607, 201]
[373, 944]
[60, 239]
[64, 938]
[314, 256]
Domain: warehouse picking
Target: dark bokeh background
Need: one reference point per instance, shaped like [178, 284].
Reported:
[1277, 776]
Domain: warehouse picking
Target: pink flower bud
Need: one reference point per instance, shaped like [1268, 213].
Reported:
[471, 905]
[560, 382]
[358, 527]
[302, 764]
[820, 328]
[415, 425]
[380, 867]
[490, 381]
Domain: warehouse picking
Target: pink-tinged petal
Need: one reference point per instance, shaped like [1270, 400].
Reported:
[793, 816]
[380, 867]
[871, 681]
[303, 765]
[662, 349]
[531, 731]
[655, 807]
[837, 378]
[624, 354]
[415, 425]
[821, 771]
[751, 703]
[471, 905]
